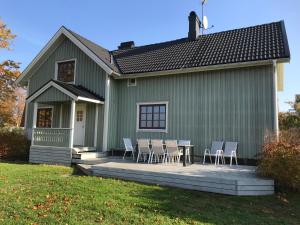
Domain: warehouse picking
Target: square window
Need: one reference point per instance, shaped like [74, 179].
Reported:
[44, 118]
[152, 116]
[65, 71]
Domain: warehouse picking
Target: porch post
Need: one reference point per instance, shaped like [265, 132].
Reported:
[96, 125]
[72, 121]
[35, 107]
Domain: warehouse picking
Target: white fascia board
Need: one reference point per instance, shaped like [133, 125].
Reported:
[89, 100]
[64, 31]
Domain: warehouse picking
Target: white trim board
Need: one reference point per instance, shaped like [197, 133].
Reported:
[79, 44]
[70, 94]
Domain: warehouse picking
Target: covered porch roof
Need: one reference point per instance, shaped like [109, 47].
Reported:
[58, 91]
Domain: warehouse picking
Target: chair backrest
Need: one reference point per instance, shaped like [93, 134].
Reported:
[229, 147]
[172, 147]
[157, 146]
[184, 142]
[216, 145]
[143, 145]
[128, 144]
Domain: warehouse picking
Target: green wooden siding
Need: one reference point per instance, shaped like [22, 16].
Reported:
[88, 73]
[52, 95]
[229, 105]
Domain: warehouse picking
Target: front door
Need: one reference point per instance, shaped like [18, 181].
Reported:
[79, 126]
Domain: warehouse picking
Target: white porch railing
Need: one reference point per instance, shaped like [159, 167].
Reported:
[58, 137]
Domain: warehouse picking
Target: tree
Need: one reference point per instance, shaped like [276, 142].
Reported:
[291, 119]
[9, 71]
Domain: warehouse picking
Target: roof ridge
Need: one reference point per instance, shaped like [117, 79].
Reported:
[243, 28]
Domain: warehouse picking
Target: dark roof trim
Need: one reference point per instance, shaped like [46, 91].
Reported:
[285, 40]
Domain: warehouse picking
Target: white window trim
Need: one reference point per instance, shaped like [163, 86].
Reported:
[45, 107]
[130, 84]
[62, 61]
[151, 103]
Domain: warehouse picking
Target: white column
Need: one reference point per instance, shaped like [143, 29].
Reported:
[60, 115]
[72, 122]
[96, 125]
[35, 107]
[275, 99]
[106, 114]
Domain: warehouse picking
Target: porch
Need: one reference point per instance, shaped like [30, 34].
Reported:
[235, 180]
[66, 120]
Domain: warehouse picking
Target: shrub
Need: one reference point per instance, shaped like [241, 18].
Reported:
[14, 144]
[280, 159]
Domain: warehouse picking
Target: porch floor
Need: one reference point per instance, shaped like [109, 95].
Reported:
[235, 180]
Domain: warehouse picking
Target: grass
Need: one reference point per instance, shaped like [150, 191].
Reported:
[40, 194]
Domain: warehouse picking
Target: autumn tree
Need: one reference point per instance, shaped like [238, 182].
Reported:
[9, 71]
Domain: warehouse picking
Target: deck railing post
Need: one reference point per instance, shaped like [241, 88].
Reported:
[72, 122]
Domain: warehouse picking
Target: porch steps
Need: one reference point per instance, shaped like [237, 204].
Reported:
[83, 153]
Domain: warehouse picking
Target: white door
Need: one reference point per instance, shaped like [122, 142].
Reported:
[79, 126]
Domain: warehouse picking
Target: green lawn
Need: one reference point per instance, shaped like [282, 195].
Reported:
[39, 194]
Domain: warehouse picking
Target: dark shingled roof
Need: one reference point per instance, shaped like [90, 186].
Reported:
[79, 90]
[99, 51]
[256, 43]
[262, 42]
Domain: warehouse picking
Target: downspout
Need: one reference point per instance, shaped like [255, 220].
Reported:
[275, 99]
[106, 114]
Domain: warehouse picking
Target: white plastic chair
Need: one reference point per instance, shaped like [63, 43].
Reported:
[172, 151]
[230, 152]
[128, 147]
[157, 150]
[215, 149]
[144, 150]
[187, 150]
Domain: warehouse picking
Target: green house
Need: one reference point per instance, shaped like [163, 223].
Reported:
[217, 86]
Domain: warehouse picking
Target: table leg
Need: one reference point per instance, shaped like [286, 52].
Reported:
[192, 154]
[184, 154]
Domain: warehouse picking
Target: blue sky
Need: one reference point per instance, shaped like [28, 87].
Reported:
[145, 21]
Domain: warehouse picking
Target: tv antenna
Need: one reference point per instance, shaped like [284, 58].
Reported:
[204, 25]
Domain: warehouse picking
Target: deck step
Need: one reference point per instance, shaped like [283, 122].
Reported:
[88, 155]
[80, 149]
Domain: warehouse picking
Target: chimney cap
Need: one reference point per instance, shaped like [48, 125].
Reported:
[126, 45]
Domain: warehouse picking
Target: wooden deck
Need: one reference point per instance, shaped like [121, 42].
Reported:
[235, 180]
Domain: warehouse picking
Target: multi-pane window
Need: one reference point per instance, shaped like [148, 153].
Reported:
[79, 116]
[44, 117]
[65, 71]
[152, 116]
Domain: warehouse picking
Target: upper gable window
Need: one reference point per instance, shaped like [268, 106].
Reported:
[66, 71]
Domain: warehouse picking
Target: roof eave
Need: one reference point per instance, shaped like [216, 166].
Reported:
[203, 68]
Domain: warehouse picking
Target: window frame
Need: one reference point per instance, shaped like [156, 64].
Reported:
[138, 129]
[62, 61]
[52, 112]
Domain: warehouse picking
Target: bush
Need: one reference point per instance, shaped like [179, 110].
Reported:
[280, 159]
[14, 145]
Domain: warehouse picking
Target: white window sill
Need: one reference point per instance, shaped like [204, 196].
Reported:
[152, 130]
